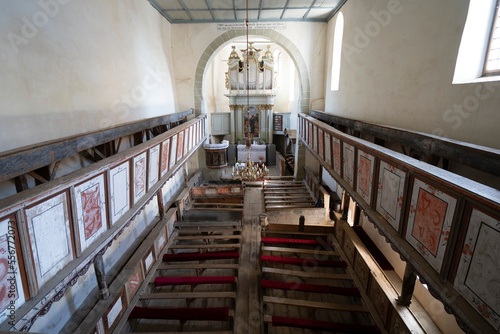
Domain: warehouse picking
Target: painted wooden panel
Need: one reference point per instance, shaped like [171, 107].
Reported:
[139, 173]
[112, 315]
[315, 138]
[379, 300]
[429, 222]
[119, 190]
[310, 134]
[321, 144]
[148, 260]
[328, 149]
[154, 165]
[348, 163]
[173, 151]
[99, 327]
[364, 182]
[180, 145]
[397, 325]
[161, 241]
[91, 211]
[186, 139]
[361, 268]
[165, 152]
[134, 281]
[49, 230]
[391, 184]
[478, 274]
[12, 293]
[191, 137]
[337, 163]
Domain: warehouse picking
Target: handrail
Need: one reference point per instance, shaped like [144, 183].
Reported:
[25, 159]
[418, 194]
[113, 222]
[478, 157]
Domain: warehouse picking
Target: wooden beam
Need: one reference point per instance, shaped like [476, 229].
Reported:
[37, 177]
[23, 160]
[54, 170]
[478, 157]
[21, 183]
[313, 304]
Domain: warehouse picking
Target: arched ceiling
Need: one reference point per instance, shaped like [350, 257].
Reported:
[225, 11]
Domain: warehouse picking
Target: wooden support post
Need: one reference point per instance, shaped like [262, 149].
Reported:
[100, 277]
[21, 183]
[263, 221]
[345, 205]
[357, 215]
[161, 206]
[408, 287]
[302, 223]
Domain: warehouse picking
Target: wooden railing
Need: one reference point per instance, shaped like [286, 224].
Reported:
[446, 227]
[57, 230]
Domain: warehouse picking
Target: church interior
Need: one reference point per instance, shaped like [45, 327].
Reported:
[250, 166]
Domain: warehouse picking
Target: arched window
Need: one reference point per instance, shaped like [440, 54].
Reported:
[337, 49]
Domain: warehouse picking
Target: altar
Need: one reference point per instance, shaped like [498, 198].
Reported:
[257, 153]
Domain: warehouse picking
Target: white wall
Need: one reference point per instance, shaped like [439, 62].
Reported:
[397, 69]
[75, 66]
[189, 42]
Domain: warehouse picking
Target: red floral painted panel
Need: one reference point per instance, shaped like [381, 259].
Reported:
[429, 219]
[91, 211]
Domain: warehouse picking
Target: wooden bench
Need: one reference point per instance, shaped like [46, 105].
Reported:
[182, 314]
[314, 288]
[313, 304]
[186, 231]
[298, 250]
[234, 223]
[189, 295]
[211, 237]
[303, 261]
[320, 325]
[209, 246]
[193, 280]
[306, 274]
[200, 256]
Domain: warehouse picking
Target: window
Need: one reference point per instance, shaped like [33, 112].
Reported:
[492, 61]
[476, 42]
[337, 48]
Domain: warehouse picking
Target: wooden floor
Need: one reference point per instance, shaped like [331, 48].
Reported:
[252, 307]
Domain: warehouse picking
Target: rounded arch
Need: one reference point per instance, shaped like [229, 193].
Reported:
[274, 36]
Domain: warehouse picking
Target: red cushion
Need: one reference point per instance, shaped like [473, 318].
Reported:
[307, 261]
[193, 280]
[310, 288]
[183, 314]
[200, 256]
[323, 325]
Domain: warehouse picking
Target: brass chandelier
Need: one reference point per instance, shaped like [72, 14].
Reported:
[250, 171]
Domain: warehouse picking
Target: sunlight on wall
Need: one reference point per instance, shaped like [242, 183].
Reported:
[337, 50]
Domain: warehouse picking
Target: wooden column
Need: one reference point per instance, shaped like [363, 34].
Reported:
[345, 205]
[302, 223]
[408, 287]
[100, 277]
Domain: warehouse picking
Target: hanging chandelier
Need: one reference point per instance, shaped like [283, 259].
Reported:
[249, 171]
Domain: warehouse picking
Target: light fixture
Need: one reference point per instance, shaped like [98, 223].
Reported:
[249, 171]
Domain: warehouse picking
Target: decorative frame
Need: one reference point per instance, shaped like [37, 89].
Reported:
[390, 192]
[191, 137]
[253, 122]
[161, 241]
[336, 157]
[12, 292]
[328, 149]
[478, 268]
[173, 151]
[321, 144]
[429, 221]
[165, 153]
[139, 171]
[186, 140]
[315, 138]
[112, 315]
[348, 163]
[49, 231]
[90, 210]
[148, 260]
[119, 179]
[134, 281]
[154, 165]
[365, 175]
[99, 327]
[180, 145]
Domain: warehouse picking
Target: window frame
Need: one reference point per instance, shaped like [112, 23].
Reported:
[495, 22]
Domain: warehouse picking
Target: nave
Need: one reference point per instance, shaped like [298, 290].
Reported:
[250, 276]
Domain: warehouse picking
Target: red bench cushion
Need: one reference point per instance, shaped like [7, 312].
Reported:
[183, 314]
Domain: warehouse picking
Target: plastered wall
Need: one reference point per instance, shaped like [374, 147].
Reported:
[189, 42]
[73, 66]
[398, 61]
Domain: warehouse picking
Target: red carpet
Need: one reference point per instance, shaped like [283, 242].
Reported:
[200, 256]
[324, 325]
[310, 288]
[307, 261]
[183, 314]
[193, 280]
